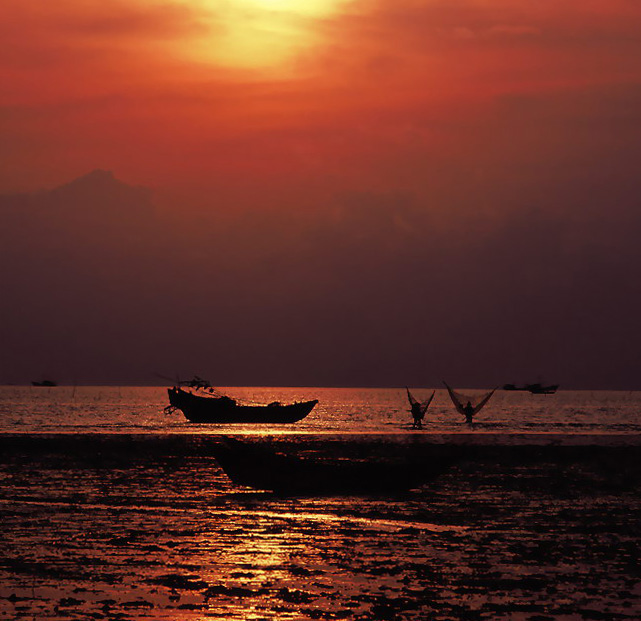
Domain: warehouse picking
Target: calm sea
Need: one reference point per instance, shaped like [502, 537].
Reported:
[112, 509]
[87, 409]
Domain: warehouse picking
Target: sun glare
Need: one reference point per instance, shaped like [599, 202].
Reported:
[262, 33]
[301, 7]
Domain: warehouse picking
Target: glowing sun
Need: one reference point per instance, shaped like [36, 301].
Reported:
[262, 33]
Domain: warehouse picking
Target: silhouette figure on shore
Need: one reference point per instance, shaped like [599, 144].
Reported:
[469, 410]
[418, 409]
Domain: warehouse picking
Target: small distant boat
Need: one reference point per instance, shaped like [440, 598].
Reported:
[260, 467]
[44, 383]
[201, 403]
[535, 389]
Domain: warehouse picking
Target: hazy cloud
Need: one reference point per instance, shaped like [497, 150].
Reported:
[373, 285]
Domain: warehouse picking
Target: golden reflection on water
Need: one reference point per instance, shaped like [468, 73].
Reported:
[367, 523]
[134, 529]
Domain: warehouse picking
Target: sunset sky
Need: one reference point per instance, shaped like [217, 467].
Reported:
[441, 122]
[336, 93]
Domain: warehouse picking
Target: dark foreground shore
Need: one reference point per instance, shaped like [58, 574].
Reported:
[149, 527]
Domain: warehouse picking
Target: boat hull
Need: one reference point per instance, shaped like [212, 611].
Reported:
[211, 410]
[260, 467]
[535, 389]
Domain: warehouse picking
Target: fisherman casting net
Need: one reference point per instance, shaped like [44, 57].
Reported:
[420, 405]
[468, 404]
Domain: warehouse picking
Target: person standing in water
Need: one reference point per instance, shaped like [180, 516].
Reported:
[468, 410]
[417, 415]
[418, 409]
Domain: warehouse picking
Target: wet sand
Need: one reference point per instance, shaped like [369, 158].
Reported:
[144, 527]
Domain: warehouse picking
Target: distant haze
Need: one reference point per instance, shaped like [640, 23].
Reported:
[100, 285]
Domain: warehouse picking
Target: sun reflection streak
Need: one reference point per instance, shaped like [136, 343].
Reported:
[370, 523]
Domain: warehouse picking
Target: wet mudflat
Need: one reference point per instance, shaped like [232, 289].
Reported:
[152, 530]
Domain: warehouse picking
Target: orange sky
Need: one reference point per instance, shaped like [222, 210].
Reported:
[332, 93]
[400, 181]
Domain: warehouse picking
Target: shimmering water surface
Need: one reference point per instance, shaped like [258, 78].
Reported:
[111, 509]
[345, 410]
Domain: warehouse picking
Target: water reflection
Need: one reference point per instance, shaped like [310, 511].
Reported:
[153, 534]
[139, 410]
[147, 526]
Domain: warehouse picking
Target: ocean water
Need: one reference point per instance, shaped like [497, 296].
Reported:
[111, 509]
[84, 409]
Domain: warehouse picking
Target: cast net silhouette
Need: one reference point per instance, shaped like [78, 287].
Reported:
[423, 405]
[461, 400]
